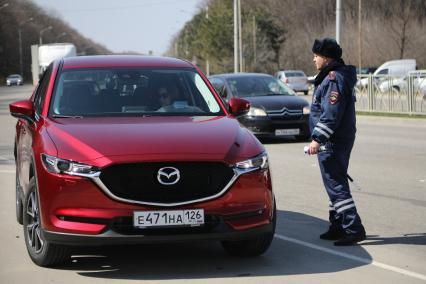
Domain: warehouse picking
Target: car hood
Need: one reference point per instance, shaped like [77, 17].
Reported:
[102, 141]
[277, 102]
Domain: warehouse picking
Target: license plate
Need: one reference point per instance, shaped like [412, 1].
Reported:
[283, 132]
[191, 217]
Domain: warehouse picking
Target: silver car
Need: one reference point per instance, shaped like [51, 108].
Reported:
[14, 79]
[295, 79]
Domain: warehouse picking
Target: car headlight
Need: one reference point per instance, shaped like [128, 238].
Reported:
[307, 110]
[61, 166]
[254, 111]
[256, 163]
[8, 81]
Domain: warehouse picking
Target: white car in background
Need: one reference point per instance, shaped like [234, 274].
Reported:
[295, 79]
[401, 84]
[14, 79]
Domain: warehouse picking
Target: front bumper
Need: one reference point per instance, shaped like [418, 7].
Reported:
[265, 126]
[301, 89]
[74, 210]
[220, 232]
[12, 83]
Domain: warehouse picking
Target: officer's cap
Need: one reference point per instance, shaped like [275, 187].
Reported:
[327, 47]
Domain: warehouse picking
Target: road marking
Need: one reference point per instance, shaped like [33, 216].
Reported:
[353, 257]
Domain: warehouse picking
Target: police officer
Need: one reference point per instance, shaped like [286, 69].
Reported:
[332, 124]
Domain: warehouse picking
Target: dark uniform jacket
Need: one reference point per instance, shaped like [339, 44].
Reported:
[332, 117]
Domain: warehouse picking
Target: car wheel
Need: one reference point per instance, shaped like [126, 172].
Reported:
[305, 93]
[41, 251]
[395, 89]
[252, 247]
[18, 201]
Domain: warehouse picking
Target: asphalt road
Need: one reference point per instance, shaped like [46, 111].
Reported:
[388, 162]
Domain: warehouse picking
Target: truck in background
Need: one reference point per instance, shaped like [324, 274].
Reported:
[394, 68]
[43, 55]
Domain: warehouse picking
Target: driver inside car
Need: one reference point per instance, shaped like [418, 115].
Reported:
[167, 95]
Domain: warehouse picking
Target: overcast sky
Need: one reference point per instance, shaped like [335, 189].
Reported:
[126, 25]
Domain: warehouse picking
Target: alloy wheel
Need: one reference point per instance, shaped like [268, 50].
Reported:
[35, 241]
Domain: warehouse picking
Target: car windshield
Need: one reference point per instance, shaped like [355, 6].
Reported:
[15, 76]
[132, 92]
[255, 86]
[295, 74]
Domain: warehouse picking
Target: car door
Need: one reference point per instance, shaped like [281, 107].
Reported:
[26, 131]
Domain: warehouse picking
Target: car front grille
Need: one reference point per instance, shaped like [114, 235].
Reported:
[139, 182]
[286, 114]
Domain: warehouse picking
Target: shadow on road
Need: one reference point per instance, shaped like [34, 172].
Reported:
[205, 260]
[407, 239]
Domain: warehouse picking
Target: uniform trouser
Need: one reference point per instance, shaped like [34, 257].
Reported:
[334, 165]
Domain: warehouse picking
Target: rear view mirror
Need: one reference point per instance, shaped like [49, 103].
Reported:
[22, 109]
[238, 106]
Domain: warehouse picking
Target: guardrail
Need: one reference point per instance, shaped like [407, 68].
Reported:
[384, 93]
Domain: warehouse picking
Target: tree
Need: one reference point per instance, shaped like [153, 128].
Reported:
[286, 29]
[275, 36]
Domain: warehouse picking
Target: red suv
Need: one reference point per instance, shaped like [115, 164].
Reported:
[134, 149]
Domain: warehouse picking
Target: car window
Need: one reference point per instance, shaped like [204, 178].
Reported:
[219, 85]
[132, 92]
[253, 86]
[383, 72]
[204, 90]
[295, 74]
[41, 90]
[280, 75]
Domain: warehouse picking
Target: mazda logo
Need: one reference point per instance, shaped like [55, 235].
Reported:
[168, 175]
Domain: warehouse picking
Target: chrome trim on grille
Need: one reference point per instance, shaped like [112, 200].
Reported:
[285, 111]
[237, 173]
[93, 175]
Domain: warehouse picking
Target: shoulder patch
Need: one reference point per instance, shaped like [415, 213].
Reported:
[332, 75]
[334, 97]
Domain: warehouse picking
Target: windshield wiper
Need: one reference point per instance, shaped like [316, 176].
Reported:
[66, 116]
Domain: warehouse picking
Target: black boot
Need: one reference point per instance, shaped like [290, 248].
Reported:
[335, 231]
[352, 238]
[349, 240]
[332, 234]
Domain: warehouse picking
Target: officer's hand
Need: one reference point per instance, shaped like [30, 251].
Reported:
[313, 147]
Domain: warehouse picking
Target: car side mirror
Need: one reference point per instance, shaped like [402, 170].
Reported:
[23, 109]
[238, 107]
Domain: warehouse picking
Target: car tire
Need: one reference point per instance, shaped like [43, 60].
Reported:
[305, 93]
[252, 247]
[42, 252]
[18, 201]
